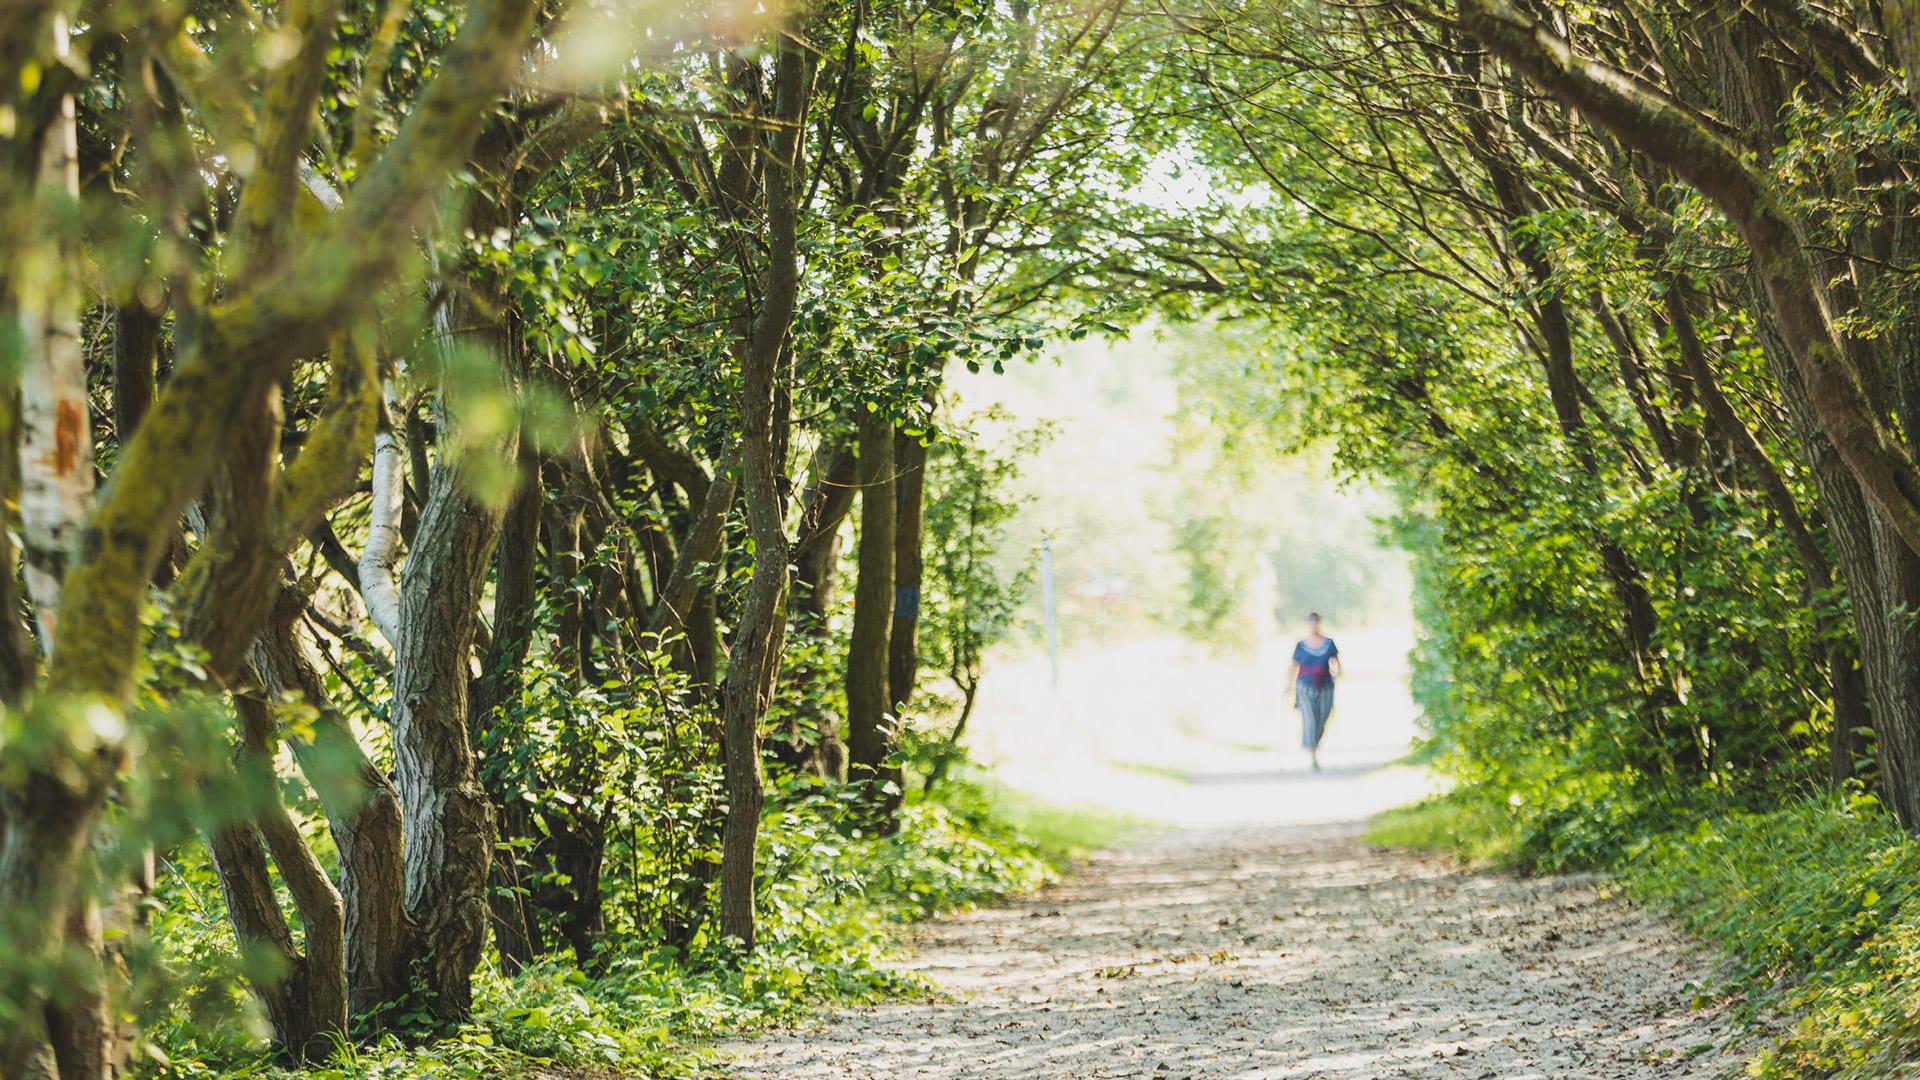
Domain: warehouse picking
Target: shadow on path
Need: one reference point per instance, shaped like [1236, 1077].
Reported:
[1283, 952]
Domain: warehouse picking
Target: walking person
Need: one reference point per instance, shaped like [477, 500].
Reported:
[1310, 676]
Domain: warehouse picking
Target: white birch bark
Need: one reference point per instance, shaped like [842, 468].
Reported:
[56, 442]
[379, 585]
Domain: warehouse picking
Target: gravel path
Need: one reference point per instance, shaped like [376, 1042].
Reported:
[1283, 952]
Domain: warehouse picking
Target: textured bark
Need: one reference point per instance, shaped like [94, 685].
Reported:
[903, 642]
[430, 617]
[870, 723]
[246, 883]
[56, 434]
[1647, 121]
[754, 664]
[448, 818]
[306, 1006]
[1889, 643]
[363, 814]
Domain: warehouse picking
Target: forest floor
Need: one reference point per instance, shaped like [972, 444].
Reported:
[1258, 936]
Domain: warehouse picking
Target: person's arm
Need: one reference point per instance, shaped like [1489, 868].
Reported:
[1293, 675]
[1334, 667]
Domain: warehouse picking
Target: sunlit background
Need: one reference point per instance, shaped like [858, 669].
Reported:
[1182, 569]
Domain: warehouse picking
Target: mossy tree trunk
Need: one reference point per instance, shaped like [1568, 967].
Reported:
[299, 288]
[1827, 384]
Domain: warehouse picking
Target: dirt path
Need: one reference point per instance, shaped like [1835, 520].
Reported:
[1282, 952]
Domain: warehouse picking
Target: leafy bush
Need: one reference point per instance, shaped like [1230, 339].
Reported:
[1819, 895]
[830, 902]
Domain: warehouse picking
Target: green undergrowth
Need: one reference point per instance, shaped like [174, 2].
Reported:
[1154, 769]
[1817, 904]
[1062, 833]
[1469, 830]
[830, 917]
[1817, 898]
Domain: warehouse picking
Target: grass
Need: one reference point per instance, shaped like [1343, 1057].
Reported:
[1064, 834]
[1148, 768]
[1251, 747]
[1464, 828]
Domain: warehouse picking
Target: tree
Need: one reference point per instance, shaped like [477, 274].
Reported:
[295, 287]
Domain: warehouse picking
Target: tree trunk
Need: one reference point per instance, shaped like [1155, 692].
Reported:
[760, 630]
[363, 814]
[56, 443]
[903, 643]
[515, 593]
[306, 1006]
[73, 1035]
[240, 859]
[136, 364]
[19, 664]
[448, 818]
[1881, 586]
[870, 723]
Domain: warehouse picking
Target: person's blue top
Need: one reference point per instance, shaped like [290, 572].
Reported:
[1316, 667]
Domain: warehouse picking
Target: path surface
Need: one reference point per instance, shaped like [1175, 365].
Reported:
[1258, 938]
[1283, 953]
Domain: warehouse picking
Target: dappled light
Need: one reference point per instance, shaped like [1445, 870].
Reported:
[1260, 952]
[990, 538]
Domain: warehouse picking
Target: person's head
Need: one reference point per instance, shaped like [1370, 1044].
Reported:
[1313, 622]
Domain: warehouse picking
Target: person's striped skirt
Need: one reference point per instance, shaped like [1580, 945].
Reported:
[1314, 702]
